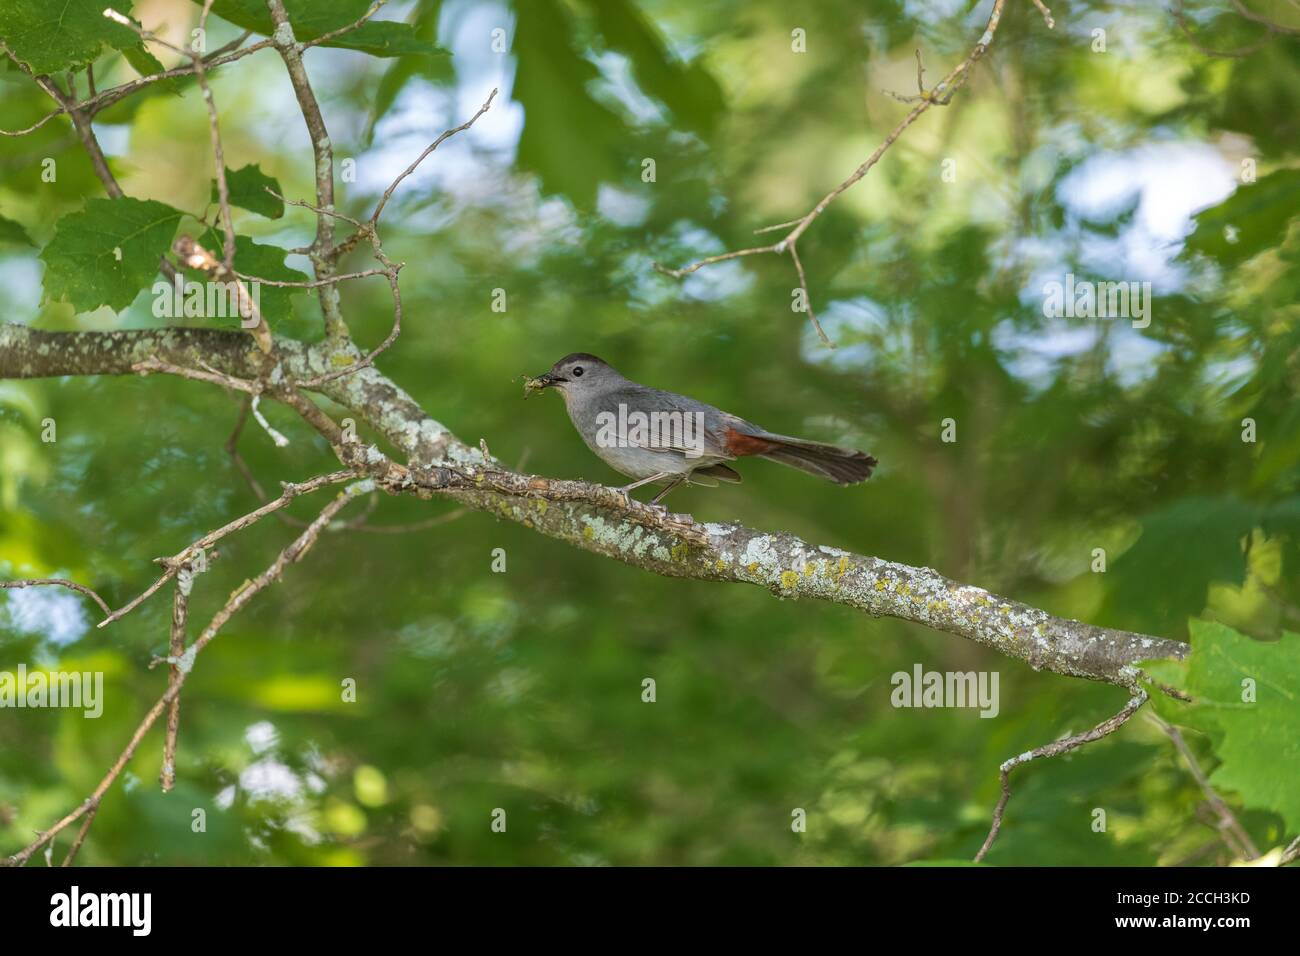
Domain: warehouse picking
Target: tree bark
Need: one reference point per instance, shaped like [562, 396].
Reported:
[594, 517]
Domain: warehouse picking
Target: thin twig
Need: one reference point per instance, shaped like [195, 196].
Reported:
[369, 230]
[807, 296]
[81, 121]
[218, 154]
[196, 257]
[173, 564]
[447, 134]
[101, 101]
[294, 552]
[1056, 748]
[1291, 853]
[62, 582]
[152, 365]
[312, 283]
[1227, 820]
[81, 835]
[941, 95]
[356, 24]
[1272, 25]
[176, 648]
[322, 253]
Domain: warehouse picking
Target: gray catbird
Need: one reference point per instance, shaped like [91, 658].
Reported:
[656, 436]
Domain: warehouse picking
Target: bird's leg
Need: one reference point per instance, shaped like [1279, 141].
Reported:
[659, 476]
[667, 488]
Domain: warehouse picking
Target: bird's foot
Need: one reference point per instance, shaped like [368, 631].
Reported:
[656, 509]
[633, 504]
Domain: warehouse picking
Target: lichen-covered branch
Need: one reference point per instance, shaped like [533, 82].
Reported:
[595, 518]
[590, 517]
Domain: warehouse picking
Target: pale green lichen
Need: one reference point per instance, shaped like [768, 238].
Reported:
[627, 539]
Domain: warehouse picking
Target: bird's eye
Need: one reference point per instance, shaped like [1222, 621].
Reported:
[577, 371]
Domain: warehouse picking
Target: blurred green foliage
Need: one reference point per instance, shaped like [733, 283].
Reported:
[522, 690]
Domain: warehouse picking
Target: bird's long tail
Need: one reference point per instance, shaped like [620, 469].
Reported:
[844, 466]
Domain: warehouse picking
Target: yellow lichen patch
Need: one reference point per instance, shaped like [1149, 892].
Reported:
[680, 550]
[720, 564]
[541, 506]
[881, 584]
[752, 567]
[341, 360]
[588, 533]
[844, 566]
[808, 570]
[789, 579]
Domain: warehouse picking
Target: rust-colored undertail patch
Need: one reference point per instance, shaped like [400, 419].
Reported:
[738, 443]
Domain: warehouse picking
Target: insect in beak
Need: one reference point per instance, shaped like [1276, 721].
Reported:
[545, 380]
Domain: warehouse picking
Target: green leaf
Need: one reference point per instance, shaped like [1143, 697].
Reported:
[54, 36]
[13, 233]
[263, 261]
[1162, 579]
[1257, 741]
[146, 64]
[571, 141]
[689, 90]
[142, 61]
[387, 38]
[1254, 218]
[313, 18]
[108, 251]
[247, 188]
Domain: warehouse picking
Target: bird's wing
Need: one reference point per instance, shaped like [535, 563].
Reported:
[692, 427]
